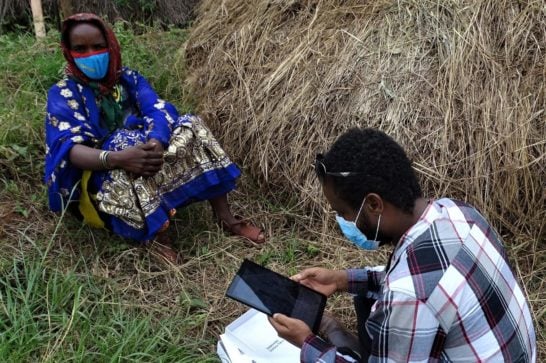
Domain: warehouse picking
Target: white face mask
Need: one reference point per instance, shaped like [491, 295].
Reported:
[354, 234]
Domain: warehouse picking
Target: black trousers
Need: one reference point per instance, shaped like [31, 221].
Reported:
[363, 307]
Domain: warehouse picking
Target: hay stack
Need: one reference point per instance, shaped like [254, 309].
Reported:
[459, 83]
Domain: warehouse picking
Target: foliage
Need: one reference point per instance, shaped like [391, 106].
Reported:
[51, 315]
[16, 14]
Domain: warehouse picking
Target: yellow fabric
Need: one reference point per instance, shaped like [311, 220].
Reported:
[87, 209]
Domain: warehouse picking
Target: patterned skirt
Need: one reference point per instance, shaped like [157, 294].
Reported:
[195, 168]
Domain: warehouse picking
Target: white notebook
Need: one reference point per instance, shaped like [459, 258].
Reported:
[251, 338]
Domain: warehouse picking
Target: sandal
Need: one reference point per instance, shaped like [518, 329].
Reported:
[245, 229]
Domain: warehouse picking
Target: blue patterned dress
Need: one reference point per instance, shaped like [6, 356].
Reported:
[195, 166]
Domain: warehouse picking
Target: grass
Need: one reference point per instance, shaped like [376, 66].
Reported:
[69, 293]
[52, 315]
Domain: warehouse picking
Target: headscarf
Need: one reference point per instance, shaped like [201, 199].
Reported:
[106, 85]
[104, 89]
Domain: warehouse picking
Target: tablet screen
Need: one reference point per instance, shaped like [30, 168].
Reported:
[270, 293]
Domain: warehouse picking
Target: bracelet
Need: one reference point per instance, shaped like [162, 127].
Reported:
[103, 159]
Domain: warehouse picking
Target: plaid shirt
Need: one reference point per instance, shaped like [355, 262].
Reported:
[449, 295]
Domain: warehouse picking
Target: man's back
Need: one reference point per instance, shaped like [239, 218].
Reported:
[450, 287]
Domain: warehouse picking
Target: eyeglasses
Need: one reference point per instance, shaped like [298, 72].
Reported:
[320, 170]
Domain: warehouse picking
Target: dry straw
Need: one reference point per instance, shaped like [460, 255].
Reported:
[460, 84]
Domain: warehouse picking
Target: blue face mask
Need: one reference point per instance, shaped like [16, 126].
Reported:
[355, 235]
[94, 66]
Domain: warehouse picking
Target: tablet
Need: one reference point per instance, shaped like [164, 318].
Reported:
[270, 293]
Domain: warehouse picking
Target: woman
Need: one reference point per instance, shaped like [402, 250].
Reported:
[121, 154]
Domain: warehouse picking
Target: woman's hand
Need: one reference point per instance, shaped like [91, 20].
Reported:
[292, 330]
[158, 146]
[323, 280]
[141, 160]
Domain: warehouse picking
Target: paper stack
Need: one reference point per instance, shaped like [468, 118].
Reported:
[252, 339]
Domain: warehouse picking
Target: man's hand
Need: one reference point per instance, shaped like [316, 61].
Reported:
[323, 280]
[292, 330]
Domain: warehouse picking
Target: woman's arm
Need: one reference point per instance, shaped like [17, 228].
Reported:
[141, 160]
[158, 114]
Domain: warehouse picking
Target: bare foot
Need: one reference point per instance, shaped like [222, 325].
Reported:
[163, 246]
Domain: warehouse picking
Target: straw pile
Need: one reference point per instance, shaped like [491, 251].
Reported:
[460, 84]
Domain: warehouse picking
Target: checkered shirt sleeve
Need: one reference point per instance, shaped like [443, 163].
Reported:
[315, 349]
[368, 279]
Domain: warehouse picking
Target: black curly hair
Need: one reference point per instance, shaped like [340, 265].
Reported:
[377, 164]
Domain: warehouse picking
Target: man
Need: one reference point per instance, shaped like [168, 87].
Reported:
[447, 292]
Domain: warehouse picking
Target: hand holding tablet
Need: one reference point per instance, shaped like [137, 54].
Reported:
[271, 293]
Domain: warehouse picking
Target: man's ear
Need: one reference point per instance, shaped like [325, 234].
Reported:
[374, 204]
